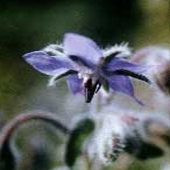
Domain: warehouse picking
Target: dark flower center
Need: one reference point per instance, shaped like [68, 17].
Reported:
[91, 89]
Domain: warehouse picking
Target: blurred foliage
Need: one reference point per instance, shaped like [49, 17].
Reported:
[32, 24]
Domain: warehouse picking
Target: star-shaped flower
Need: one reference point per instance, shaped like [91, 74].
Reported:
[87, 67]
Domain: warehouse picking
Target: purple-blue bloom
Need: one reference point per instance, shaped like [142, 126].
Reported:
[86, 66]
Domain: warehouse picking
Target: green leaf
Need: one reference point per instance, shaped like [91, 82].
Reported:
[79, 134]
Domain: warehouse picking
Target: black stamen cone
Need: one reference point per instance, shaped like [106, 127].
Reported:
[91, 89]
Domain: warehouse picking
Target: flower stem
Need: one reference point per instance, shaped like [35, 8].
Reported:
[7, 157]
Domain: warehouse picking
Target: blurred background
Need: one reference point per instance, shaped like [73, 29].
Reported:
[28, 25]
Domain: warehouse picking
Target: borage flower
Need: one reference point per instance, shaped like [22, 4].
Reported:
[87, 67]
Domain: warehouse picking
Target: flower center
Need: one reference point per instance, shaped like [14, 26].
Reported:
[91, 88]
[91, 79]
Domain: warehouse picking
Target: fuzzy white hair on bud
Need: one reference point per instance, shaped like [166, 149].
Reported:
[107, 141]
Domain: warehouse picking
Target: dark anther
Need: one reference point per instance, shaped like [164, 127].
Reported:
[90, 89]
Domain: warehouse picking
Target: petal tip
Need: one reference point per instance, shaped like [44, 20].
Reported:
[32, 54]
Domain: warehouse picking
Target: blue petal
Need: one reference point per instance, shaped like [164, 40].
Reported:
[75, 84]
[122, 84]
[44, 63]
[82, 47]
[117, 64]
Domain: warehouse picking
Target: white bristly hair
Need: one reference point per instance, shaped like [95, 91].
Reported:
[123, 49]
